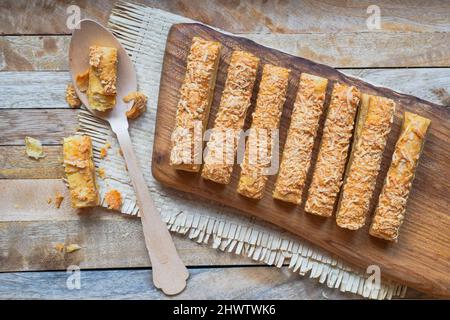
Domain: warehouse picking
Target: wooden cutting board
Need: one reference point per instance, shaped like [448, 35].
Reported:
[420, 259]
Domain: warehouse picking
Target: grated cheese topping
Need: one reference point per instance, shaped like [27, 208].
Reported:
[390, 212]
[308, 107]
[330, 165]
[365, 163]
[194, 103]
[265, 119]
[235, 100]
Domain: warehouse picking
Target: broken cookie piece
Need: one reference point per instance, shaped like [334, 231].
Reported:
[82, 81]
[101, 173]
[139, 104]
[59, 247]
[101, 90]
[113, 199]
[71, 97]
[104, 150]
[80, 171]
[34, 148]
[58, 199]
[72, 248]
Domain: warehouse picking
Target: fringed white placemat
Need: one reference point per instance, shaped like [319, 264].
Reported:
[143, 32]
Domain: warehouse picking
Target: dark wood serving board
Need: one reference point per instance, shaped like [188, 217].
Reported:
[421, 257]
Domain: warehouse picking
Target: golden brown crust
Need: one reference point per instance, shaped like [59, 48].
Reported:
[390, 212]
[103, 62]
[193, 107]
[102, 78]
[71, 97]
[139, 104]
[80, 171]
[82, 81]
[308, 108]
[330, 165]
[235, 100]
[266, 118]
[373, 126]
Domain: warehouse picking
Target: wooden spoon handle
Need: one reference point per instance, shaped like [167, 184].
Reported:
[169, 272]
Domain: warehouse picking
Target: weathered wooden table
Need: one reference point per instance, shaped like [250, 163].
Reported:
[410, 53]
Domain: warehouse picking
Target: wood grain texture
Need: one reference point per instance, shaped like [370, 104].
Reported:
[107, 242]
[431, 84]
[340, 50]
[33, 53]
[47, 125]
[260, 16]
[251, 282]
[205, 283]
[362, 50]
[29, 231]
[15, 164]
[422, 251]
[24, 90]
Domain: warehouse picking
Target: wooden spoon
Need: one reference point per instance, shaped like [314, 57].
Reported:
[169, 272]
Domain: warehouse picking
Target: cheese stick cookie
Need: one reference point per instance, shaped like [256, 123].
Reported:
[266, 118]
[80, 171]
[330, 165]
[308, 108]
[391, 208]
[101, 89]
[372, 128]
[235, 100]
[196, 95]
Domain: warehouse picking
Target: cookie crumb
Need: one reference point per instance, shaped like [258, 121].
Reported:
[72, 248]
[101, 173]
[113, 199]
[34, 148]
[71, 97]
[58, 199]
[139, 104]
[59, 247]
[104, 150]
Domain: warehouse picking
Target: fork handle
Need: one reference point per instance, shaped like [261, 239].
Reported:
[169, 272]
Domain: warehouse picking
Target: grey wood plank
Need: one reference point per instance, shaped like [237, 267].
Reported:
[107, 242]
[242, 16]
[14, 164]
[34, 89]
[47, 125]
[25, 89]
[256, 282]
[363, 50]
[30, 228]
[34, 52]
[208, 283]
[339, 50]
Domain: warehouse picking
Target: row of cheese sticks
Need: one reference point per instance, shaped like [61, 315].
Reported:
[334, 166]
